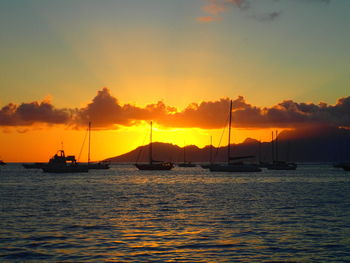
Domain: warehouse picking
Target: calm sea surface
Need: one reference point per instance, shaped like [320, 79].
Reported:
[183, 215]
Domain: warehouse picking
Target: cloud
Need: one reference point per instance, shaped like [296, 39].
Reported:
[106, 112]
[215, 8]
[268, 16]
[27, 114]
[208, 19]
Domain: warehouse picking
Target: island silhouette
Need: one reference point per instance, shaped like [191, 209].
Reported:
[309, 144]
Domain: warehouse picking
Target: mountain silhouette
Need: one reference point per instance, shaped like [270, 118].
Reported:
[312, 144]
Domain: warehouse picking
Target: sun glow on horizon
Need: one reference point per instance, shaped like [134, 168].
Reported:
[41, 144]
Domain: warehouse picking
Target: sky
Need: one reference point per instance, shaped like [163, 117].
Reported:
[121, 64]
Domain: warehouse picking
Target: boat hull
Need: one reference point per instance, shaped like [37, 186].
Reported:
[33, 165]
[155, 166]
[99, 166]
[282, 166]
[235, 168]
[187, 165]
[346, 167]
[65, 169]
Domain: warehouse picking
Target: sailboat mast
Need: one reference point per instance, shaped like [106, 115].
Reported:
[184, 152]
[229, 134]
[89, 142]
[150, 147]
[211, 150]
[272, 148]
[260, 157]
[276, 146]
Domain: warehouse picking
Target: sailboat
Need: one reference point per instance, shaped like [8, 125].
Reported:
[206, 166]
[185, 163]
[152, 164]
[277, 164]
[234, 164]
[99, 165]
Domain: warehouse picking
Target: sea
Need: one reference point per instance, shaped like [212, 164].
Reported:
[183, 215]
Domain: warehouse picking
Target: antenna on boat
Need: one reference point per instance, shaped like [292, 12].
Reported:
[229, 134]
[211, 150]
[184, 151]
[150, 146]
[89, 142]
[272, 148]
[276, 146]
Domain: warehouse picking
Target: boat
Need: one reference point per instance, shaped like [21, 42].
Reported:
[282, 165]
[234, 164]
[188, 164]
[2, 162]
[60, 163]
[153, 164]
[99, 165]
[185, 163]
[346, 167]
[33, 165]
[207, 165]
[277, 164]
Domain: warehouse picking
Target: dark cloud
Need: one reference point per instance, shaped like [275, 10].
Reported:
[214, 9]
[105, 112]
[27, 114]
[268, 16]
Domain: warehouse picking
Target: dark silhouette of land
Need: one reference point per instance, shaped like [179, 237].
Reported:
[313, 144]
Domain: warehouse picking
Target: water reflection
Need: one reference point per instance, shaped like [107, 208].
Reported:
[185, 215]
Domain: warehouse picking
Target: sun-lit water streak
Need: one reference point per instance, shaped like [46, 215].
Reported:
[183, 215]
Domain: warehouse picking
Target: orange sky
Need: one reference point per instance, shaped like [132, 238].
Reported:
[40, 144]
[34, 131]
[178, 63]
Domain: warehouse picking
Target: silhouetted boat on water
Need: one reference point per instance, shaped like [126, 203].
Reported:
[344, 165]
[60, 163]
[2, 162]
[207, 165]
[281, 165]
[33, 165]
[153, 164]
[234, 164]
[276, 164]
[185, 163]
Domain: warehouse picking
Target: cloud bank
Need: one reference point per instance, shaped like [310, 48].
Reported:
[213, 9]
[106, 112]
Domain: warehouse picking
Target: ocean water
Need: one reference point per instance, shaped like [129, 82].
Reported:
[183, 215]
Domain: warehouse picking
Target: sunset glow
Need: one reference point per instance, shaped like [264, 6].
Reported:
[122, 64]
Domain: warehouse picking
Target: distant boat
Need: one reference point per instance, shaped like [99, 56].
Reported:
[2, 162]
[99, 166]
[152, 164]
[185, 163]
[282, 165]
[33, 165]
[277, 164]
[60, 163]
[189, 164]
[234, 164]
[346, 167]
